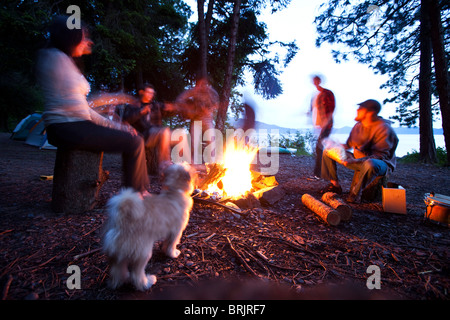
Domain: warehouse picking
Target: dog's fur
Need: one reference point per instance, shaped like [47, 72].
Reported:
[135, 223]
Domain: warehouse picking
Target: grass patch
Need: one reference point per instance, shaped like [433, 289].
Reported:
[414, 157]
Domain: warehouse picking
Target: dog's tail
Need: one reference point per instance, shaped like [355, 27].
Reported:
[125, 206]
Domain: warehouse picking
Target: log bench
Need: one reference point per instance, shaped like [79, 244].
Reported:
[373, 191]
[77, 178]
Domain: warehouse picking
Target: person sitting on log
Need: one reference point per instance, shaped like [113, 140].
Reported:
[70, 121]
[147, 120]
[373, 142]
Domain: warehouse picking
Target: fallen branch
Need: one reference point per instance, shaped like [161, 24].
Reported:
[259, 263]
[291, 244]
[6, 231]
[209, 237]
[205, 201]
[81, 255]
[6, 288]
[247, 267]
[278, 266]
[36, 267]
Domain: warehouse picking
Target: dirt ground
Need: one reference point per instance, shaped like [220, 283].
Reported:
[282, 251]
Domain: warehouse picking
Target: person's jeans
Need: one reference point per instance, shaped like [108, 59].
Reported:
[88, 136]
[324, 133]
[366, 171]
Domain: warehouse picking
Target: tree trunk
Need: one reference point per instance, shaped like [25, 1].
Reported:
[204, 24]
[226, 89]
[203, 72]
[427, 144]
[139, 77]
[209, 18]
[441, 70]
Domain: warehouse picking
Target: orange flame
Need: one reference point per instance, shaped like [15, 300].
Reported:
[237, 180]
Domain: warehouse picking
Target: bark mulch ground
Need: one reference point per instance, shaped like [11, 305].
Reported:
[281, 251]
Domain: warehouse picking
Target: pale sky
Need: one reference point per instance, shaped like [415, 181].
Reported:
[350, 82]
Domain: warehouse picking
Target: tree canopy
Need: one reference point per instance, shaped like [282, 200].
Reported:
[399, 39]
[384, 35]
[135, 42]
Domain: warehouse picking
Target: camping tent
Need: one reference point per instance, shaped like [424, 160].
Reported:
[23, 128]
[32, 130]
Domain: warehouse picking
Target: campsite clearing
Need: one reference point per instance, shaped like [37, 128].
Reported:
[285, 244]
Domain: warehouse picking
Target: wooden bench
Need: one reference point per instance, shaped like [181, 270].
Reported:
[77, 178]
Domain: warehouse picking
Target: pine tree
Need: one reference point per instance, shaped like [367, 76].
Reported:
[224, 44]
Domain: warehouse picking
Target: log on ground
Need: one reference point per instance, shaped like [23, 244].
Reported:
[335, 202]
[328, 214]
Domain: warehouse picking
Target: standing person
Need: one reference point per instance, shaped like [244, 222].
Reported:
[68, 117]
[198, 104]
[373, 142]
[322, 108]
[147, 120]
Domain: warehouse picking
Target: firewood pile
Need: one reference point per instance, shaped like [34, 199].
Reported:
[283, 243]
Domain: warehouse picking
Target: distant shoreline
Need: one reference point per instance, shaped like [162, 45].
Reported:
[398, 130]
[409, 137]
[342, 130]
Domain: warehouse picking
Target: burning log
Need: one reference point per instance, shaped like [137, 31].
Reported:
[329, 215]
[333, 200]
[214, 203]
[270, 195]
[216, 171]
[260, 181]
[247, 201]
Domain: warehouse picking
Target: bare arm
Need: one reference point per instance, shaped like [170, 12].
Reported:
[110, 99]
[102, 99]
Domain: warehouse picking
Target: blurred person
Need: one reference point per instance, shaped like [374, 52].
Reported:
[69, 119]
[322, 109]
[373, 142]
[198, 104]
[147, 120]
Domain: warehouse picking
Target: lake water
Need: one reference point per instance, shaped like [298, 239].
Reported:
[406, 143]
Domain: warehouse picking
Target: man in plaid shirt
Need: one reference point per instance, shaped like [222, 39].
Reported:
[322, 108]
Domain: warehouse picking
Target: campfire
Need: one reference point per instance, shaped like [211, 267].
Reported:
[233, 180]
[234, 185]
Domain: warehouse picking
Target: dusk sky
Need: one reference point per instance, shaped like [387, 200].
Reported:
[351, 82]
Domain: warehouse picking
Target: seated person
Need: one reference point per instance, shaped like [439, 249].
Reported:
[69, 119]
[373, 142]
[147, 120]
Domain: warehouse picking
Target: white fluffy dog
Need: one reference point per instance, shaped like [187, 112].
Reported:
[136, 223]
